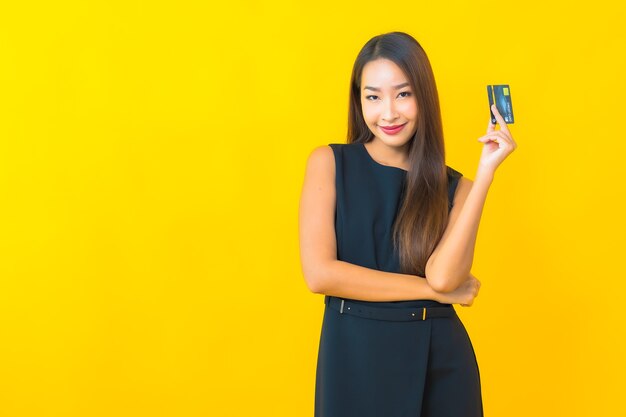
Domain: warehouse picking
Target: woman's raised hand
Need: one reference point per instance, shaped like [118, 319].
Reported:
[498, 144]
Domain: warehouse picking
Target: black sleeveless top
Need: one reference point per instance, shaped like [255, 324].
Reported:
[368, 199]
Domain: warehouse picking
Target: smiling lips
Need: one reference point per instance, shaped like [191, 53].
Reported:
[392, 130]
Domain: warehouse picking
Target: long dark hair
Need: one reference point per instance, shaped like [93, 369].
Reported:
[423, 214]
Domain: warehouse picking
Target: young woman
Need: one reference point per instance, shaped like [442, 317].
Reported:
[387, 234]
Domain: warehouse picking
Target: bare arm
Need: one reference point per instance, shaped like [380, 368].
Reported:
[343, 279]
[450, 262]
[322, 271]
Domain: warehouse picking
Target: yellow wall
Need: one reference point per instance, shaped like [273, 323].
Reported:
[149, 260]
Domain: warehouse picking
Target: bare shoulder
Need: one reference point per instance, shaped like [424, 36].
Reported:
[460, 195]
[320, 169]
[321, 157]
[319, 178]
[462, 190]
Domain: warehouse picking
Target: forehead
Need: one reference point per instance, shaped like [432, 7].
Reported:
[382, 73]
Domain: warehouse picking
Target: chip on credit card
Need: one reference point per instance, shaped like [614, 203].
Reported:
[501, 95]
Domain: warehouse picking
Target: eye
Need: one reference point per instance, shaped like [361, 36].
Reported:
[408, 93]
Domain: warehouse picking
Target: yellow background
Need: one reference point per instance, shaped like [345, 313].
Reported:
[151, 161]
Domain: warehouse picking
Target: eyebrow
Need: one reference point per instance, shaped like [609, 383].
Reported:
[367, 87]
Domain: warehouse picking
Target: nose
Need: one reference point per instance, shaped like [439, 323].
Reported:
[389, 111]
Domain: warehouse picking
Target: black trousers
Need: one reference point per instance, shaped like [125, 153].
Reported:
[380, 368]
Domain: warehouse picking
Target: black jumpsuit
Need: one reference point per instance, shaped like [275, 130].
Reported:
[373, 367]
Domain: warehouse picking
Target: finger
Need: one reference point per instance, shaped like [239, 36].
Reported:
[492, 137]
[491, 126]
[505, 132]
[504, 137]
[497, 136]
[499, 118]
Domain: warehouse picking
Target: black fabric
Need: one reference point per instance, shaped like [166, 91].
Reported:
[368, 198]
[376, 368]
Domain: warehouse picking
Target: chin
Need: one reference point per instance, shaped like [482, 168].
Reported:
[395, 142]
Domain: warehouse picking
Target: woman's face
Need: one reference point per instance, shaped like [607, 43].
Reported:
[387, 99]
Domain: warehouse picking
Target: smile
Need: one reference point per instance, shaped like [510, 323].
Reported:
[392, 130]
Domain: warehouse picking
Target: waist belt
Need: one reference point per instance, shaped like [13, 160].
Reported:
[387, 313]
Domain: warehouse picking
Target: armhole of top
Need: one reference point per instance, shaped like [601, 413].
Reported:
[453, 181]
[337, 153]
[337, 156]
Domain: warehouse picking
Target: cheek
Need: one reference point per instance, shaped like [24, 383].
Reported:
[369, 114]
[410, 109]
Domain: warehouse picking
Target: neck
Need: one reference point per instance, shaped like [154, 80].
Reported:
[388, 155]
